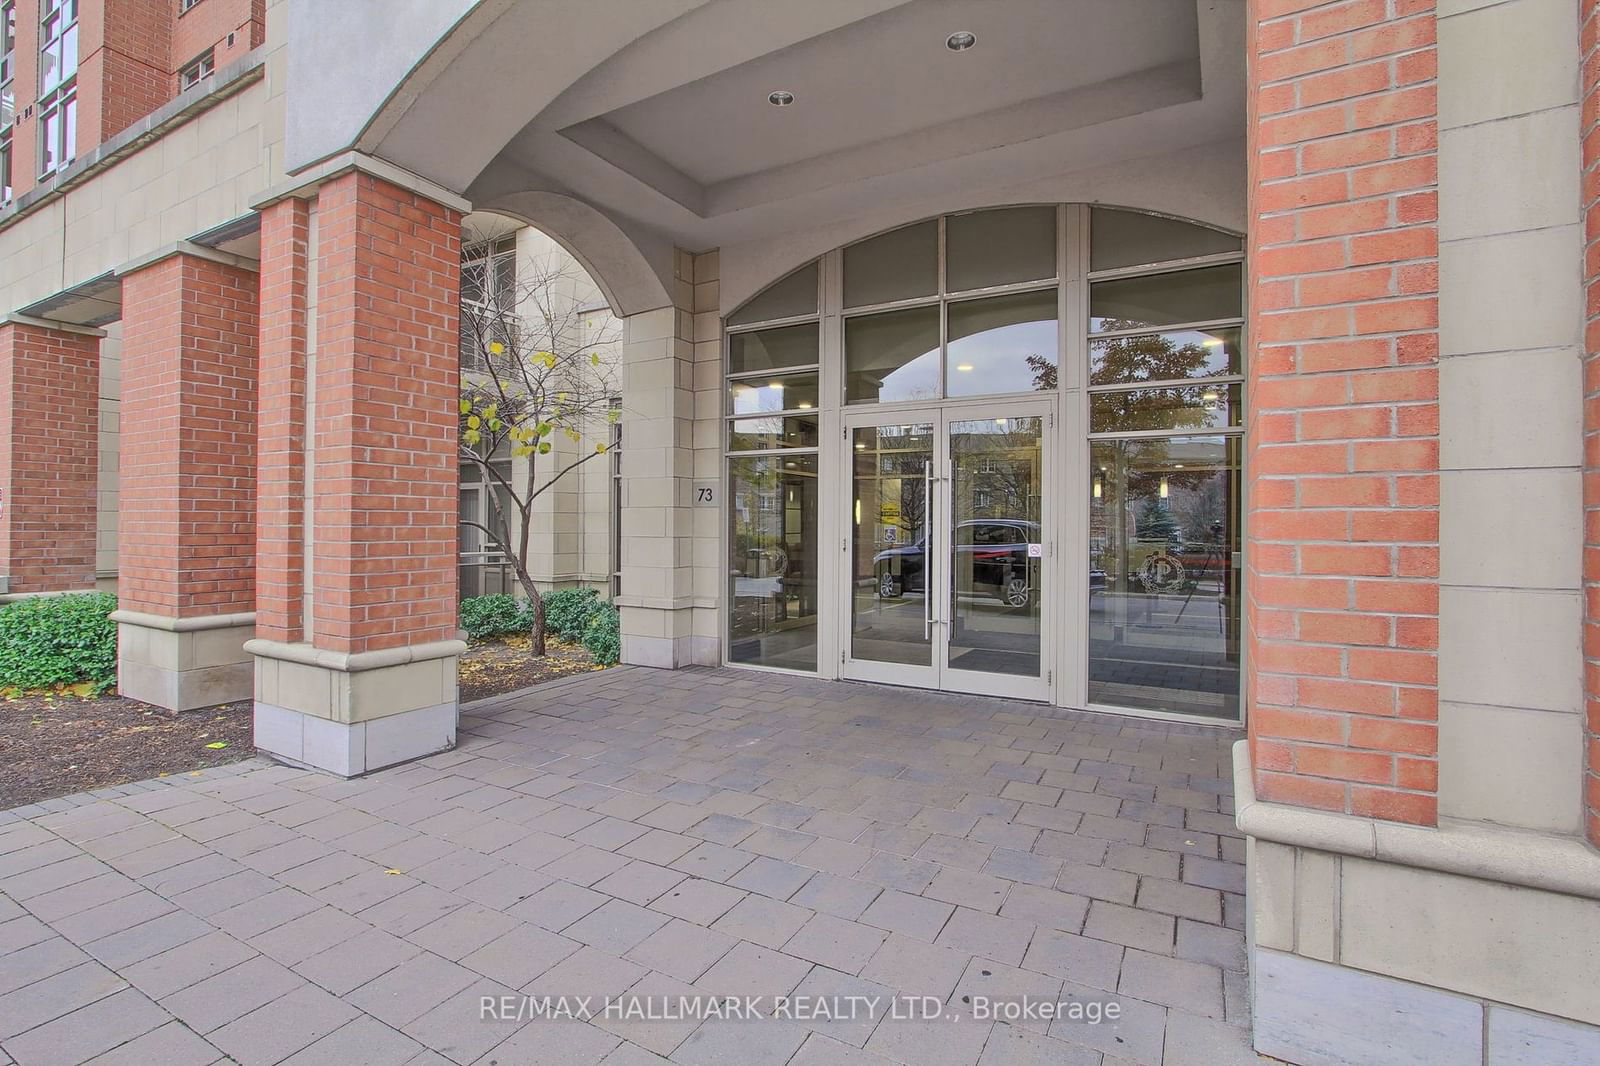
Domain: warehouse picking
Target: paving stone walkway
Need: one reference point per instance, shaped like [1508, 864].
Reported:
[637, 833]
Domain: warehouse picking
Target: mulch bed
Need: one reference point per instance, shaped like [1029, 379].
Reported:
[496, 667]
[57, 745]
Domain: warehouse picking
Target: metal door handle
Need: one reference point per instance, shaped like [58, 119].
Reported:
[927, 550]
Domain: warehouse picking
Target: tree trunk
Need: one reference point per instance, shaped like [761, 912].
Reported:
[536, 635]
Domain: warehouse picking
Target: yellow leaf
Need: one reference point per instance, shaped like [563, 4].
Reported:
[395, 873]
[466, 406]
[594, 359]
[217, 744]
[473, 421]
[600, 449]
[496, 348]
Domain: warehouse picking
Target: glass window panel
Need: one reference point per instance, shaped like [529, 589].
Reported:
[902, 264]
[69, 51]
[1181, 407]
[1131, 238]
[791, 297]
[772, 565]
[791, 392]
[69, 136]
[472, 281]
[1166, 299]
[1172, 356]
[1003, 344]
[1003, 247]
[760, 434]
[1164, 574]
[892, 356]
[996, 489]
[772, 349]
[891, 544]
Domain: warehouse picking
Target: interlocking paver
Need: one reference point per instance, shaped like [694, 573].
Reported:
[276, 1030]
[662, 833]
[181, 966]
[352, 963]
[411, 989]
[216, 1000]
[172, 1044]
[98, 1027]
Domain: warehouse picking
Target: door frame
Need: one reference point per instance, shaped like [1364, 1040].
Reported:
[939, 675]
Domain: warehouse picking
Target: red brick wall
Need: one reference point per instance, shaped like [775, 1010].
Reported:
[208, 24]
[1590, 16]
[186, 532]
[280, 509]
[49, 450]
[125, 71]
[1342, 594]
[387, 384]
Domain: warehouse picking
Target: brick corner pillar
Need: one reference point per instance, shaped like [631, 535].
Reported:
[49, 451]
[1342, 584]
[1589, 43]
[186, 527]
[357, 640]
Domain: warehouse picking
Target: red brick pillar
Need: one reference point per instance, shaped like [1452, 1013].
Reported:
[356, 664]
[1589, 12]
[49, 449]
[281, 429]
[1342, 592]
[186, 533]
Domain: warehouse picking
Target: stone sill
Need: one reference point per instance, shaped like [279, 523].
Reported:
[225, 83]
[1544, 861]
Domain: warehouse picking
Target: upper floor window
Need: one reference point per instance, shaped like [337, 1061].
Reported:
[184, 5]
[197, 70]
[8, 64]
[5, 166]
[488, 299]
[58, 43]
[58, 128]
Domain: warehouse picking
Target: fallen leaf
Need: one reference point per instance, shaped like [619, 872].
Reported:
[217, 744]
[395, 872]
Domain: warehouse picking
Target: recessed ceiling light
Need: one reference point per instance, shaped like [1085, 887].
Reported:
[960, 42]
[780, 98]
[965, 368]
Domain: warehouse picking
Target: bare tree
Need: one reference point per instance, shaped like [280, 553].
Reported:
[534, 370]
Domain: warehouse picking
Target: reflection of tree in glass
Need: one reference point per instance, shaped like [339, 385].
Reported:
[1045, 375]
[1155, 522]
[1152, 357]
[1003, 465]
[1202, 511]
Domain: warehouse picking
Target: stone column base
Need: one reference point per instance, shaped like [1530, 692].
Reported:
[350, 714]
[1380, 944]
[183, 664]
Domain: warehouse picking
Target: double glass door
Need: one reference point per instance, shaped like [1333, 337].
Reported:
[949, 547]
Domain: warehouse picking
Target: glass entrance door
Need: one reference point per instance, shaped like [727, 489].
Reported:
[949, 549]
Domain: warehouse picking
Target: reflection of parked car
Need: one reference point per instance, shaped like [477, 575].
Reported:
[997, 549]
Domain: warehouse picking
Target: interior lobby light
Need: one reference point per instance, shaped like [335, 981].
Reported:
[780, 98]
[858, 505]
[965, 368]
[802, 405]
[960, 41]
[1099, 489]
[1212, 342]
[1163, 488]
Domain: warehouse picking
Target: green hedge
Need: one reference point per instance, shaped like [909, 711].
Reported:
[59, 640]
[603, 637]
[488, 617]
[567, 611]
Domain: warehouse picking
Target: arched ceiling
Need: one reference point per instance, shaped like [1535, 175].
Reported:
[655, 114]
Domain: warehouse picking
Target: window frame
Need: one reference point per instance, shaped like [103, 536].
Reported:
[200, 67]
